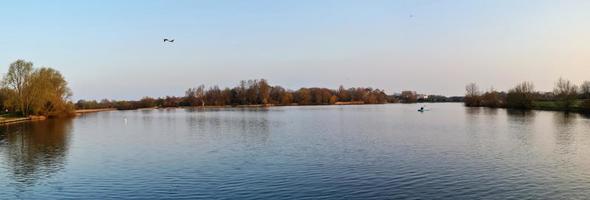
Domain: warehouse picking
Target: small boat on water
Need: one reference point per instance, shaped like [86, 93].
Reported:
[422, 109]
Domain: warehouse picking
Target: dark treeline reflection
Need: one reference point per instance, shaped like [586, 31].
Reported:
[251, 125]
[32, 151]
[251, 92]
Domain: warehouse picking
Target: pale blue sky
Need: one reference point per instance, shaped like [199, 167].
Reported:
[114, 49]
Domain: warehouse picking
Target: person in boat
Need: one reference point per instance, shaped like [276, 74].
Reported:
[421, 109]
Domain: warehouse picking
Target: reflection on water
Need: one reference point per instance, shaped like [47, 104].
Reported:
[521, 116]
[564, 131]
[250, 124]
[315, 152]
[34, 151]
[473, 110]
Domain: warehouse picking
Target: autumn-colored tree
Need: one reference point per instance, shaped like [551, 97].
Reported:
[263, 91]
[333, 99]
[5, 95]
[36, 91]
[303, 96]
[250, 92]
[491, 99]
[50, 93]
[343, 94]
[286, 98]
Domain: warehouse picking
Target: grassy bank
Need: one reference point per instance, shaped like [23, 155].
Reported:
[577, 106]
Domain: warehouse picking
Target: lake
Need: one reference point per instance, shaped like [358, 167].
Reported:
[309, 152]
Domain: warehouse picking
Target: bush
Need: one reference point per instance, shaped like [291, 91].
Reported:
[521, 96]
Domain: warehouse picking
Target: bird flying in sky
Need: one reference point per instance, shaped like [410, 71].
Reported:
[168, 40]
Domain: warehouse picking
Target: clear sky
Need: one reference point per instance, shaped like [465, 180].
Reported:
[114, 49]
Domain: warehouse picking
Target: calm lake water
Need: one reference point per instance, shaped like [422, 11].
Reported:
[317, 152]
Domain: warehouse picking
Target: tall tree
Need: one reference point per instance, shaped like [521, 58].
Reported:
[472, 95]
[196, 96]
[17, 79]
[264, 91]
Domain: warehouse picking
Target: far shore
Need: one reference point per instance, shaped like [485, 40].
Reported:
[84, 111]
[252, 106]
[8, 119]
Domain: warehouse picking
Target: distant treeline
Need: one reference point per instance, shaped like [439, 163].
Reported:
[440, 99]
[412, 97]
[251, 92]
[566, 96]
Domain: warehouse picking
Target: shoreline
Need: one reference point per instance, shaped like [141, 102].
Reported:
[86, 111]
[544, 106]
[13, 120]
[271, 105]
[17, 120]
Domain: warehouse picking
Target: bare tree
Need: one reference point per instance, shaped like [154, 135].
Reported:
[196, 96]
[472, 95]
[566, 92]
[472, 90]
[16, 79]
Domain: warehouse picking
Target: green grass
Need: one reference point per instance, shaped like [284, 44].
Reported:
[556, 105]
